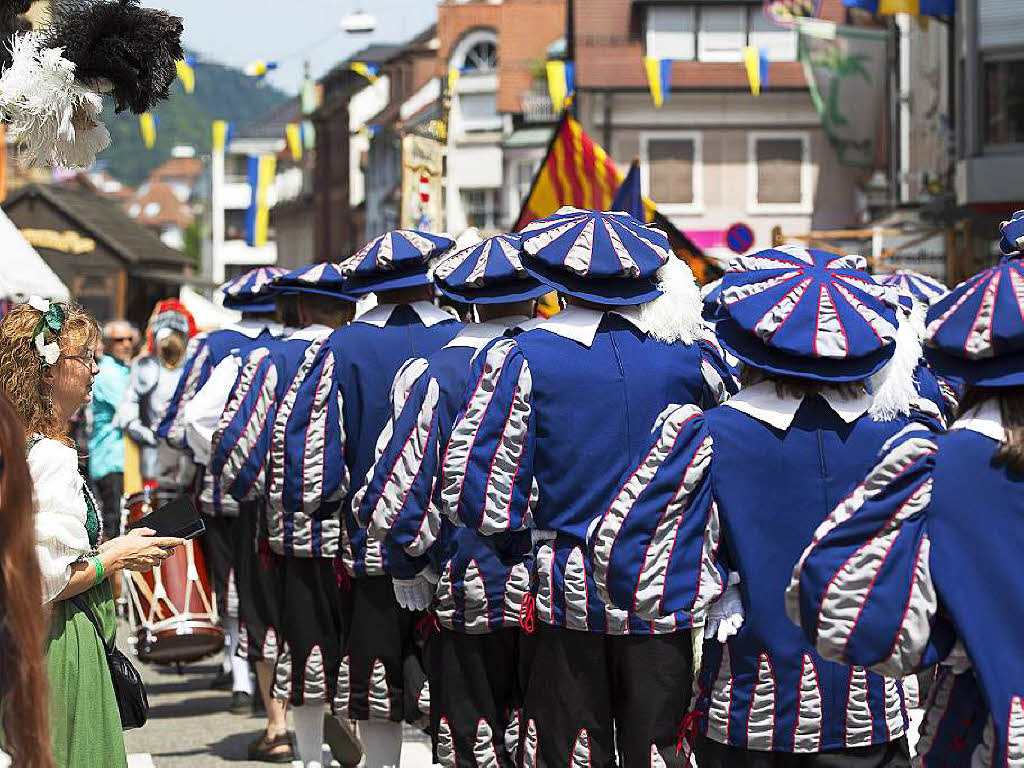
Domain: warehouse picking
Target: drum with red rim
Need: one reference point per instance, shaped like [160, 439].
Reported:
[171, 609]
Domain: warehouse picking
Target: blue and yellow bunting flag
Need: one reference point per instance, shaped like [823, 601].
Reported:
[938, 8]
[659, 73]
[187, 73]
[257, 218]
[756, 61]
[369, 71]
[221, 135]
[561, 82]
[308, 135]
[454, 73]
[147, 127]
[293, 135]
[259, 69]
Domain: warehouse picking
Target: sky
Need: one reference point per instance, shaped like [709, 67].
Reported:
[239, 31]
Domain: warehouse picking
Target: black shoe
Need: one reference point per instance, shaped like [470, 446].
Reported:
[241, 703]
[341, 738]
[223, 681]
[258, 710]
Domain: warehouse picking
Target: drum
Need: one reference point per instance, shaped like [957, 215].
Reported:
[171, 609]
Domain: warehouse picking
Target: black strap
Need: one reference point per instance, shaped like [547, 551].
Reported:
[81, 605]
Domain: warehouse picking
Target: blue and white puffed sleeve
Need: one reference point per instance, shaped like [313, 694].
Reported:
[242, 440]
[719, 381]
[396, 501]
[308, 440]
[655, 550]
[487, 480]
[862, 591]
[194, 373]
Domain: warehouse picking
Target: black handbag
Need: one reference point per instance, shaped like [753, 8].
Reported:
[129, 690]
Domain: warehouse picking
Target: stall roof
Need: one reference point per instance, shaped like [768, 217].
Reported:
[104, 220]
[23, 273]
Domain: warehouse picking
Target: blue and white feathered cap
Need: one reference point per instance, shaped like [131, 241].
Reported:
[807, 313]
[600, 256]
[976, 333]
[397, 259]
[490, 271]
[325, 279]
[253, 291]
[922, 288]
[1012, 239]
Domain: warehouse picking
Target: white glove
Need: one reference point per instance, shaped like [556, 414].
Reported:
[414, 594]
[725, 617]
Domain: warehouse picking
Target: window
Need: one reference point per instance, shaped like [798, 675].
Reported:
[481, 57]
[482, 208]
[780, 173]
[479, 109]
[721, 33]
[688, 31]
[671, 167]
[670, 32]
[1004, 101]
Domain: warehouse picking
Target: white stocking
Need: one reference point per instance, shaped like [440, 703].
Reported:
[382, 743]
[240, 673]
[309, 733]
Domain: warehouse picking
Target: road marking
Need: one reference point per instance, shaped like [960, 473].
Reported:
[141, 760]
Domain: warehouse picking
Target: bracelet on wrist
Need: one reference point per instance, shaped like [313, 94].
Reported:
[97, 564]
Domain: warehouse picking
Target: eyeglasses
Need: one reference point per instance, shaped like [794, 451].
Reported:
[89, 360]
[119, 339]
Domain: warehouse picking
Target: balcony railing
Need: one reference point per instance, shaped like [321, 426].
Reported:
[537, 107]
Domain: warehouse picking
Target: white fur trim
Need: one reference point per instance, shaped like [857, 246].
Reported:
[893, 386]
[42, 101]
[675, 315]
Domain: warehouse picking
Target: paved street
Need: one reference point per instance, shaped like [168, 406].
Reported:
[189, 725]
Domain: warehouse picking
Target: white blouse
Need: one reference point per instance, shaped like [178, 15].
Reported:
[60, 513]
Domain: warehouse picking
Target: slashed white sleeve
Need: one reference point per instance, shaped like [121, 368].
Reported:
[60, 513]
[202, 413]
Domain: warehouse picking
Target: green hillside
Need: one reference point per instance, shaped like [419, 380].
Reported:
[222, 93]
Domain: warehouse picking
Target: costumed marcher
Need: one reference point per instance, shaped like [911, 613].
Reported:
[552, 418]
[361, 361]
[721, 503]
[918, 565]
[47, 366]
[189, 423]
[473, 588]
[278, 441]
[153, 381]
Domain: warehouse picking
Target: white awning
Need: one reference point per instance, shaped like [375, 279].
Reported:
[23, 273]
[208, 316]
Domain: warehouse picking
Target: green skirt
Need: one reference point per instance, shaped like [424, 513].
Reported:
[85, 725]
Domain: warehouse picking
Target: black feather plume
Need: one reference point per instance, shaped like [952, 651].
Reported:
[133, 48]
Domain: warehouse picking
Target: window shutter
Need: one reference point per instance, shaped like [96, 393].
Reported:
[670, 170]
[779, 163]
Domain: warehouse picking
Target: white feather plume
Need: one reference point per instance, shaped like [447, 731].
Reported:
[893, 386]
[675, 315]
[53, 116]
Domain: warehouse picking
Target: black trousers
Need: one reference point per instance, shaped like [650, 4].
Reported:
[473, 696]
[110, 488]
[586, 694]
[218, 548]
[894, 754]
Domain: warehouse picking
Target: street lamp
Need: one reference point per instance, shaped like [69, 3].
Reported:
[358, 23]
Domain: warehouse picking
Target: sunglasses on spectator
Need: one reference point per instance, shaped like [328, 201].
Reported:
[119, 339]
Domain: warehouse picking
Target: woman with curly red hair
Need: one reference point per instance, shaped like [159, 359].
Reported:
[47, 364]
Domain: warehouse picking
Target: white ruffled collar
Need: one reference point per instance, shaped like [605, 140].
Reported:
[986, 419]
[580, 323]
[429, 314]
[764, 403]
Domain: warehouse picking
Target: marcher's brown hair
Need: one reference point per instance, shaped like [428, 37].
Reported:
[23, 681]
[1011, 407]
[791, 386]
[22, 370]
